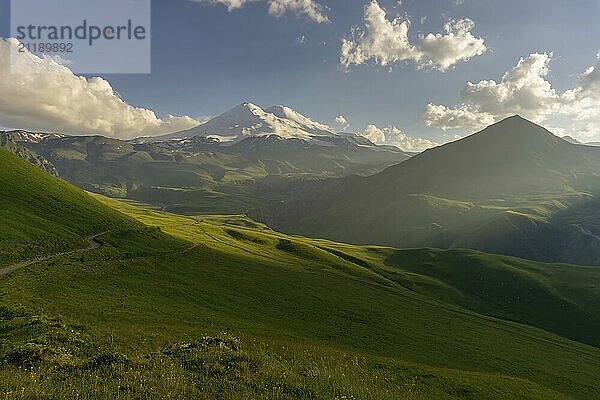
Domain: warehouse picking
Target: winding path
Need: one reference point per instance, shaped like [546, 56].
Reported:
[92, 244]
[586, 232]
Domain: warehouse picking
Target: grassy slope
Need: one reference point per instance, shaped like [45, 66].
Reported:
[563, 299]
[302, 304]
[27, 154]
[43, 215]
[312, 319]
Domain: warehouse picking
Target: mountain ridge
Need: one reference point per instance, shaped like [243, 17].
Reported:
[8, 140]
[513, 188]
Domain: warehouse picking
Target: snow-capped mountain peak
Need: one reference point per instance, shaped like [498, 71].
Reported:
[285, 112]
[248, 119]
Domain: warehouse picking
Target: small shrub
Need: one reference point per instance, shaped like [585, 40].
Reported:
[288, 246]
[8, 313]
[27, 355]
[237, 235]
[212, 357]
[108, 359]
[207, 342]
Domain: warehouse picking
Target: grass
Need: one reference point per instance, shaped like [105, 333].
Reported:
[229, 367]
[221, 307]
[43, 215]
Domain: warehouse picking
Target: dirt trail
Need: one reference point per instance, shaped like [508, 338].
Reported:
[92, 244]
[586, 232]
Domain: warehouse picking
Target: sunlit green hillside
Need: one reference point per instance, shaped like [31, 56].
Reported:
[223, 307]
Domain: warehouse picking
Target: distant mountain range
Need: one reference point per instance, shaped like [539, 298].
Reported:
[245, 121]
[571, 139]
[204, 173]
[513, 188]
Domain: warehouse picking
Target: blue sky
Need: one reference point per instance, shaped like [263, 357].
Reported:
[206, 59]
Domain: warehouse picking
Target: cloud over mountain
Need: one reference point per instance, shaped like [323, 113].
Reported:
[341, 120]
[277, 8]
[395, 137]
[45, 95]
[524, 90]
[386, 42]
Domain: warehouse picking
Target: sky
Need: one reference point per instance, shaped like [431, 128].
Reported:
[387, 67]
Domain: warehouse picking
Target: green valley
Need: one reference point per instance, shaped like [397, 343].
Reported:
[224, 307]
[201, 175]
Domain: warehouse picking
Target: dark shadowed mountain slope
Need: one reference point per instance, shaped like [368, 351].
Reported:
[514, 156]
[507, 189]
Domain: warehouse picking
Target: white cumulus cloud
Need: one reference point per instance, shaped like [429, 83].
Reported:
[443, 50]
[440, 116]
[396, 137]
[277, 8]
[341, 120]
[42, 94]
[308, 8]
[386, 42]
[525, 90]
